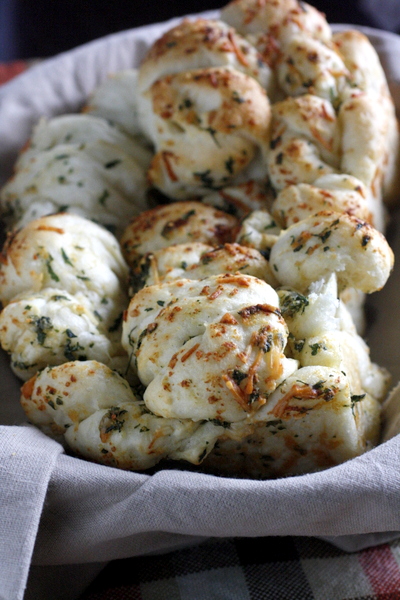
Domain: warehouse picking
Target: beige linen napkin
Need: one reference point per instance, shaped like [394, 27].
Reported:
[92, 513]
[27, 462]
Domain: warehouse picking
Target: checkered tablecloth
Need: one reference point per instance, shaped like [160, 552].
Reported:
[8, 70]
[288, 568]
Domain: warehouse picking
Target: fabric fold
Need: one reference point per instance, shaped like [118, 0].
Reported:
[27, 461]
[97, 513]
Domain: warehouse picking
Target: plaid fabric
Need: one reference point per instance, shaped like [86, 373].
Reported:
[288, 568]
[12, 69]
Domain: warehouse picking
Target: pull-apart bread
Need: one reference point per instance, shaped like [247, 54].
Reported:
[187, 259]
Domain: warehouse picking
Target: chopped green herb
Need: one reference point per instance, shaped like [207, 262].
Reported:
[293, 303]
[52, 274]
[365, 240]
[103, 197]
[65, 257]
[238, 376]
[42, 326]
[112, 163]
[275, 142]
[254, 396]
[315, 348]
[299, 345]
[274, 423]
[237, 98]
[187, 103]
[169, 227]
[140, 274]
[270, 225]
[354, 399]
[213, 132]
[319, 385]
[229, 164]
[265, 339]
[71, 349]
[22, 366]
[112, 420]
[206, 179]
[207, 258]
[140, 338]
[324, 235]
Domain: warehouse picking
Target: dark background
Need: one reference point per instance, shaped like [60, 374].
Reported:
[39, 28]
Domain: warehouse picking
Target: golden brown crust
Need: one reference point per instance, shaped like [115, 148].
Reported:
[176, 223]
[198, 43]
[208, 126]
